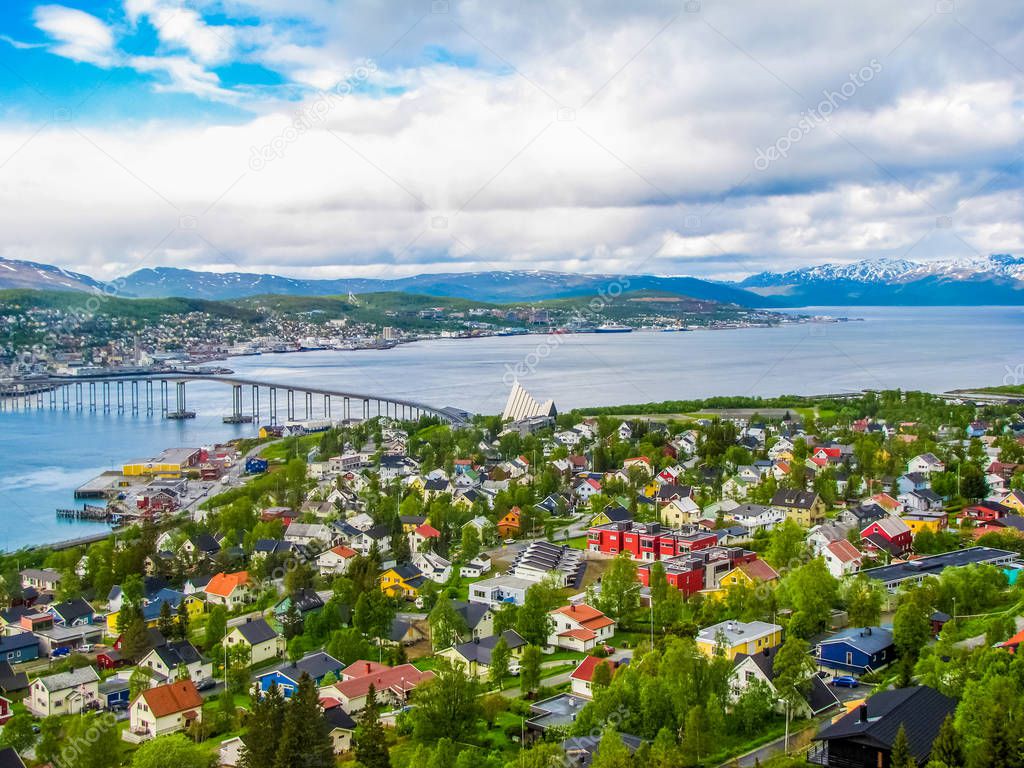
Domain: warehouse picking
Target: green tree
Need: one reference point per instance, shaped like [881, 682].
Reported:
[911, 629]
[901, 756]
[946, 747]
[500, 661]
[753, 708]
[533, 620]
[181, 626]
[96, 731]
[305, 737]
[612, 752]
[786, 544]
[263, 734]
[812, 591]
[369, 742]
[18, 733]
[175, 751]
[492, 705]
[529, 669]
[165, 622]
[446, 705]
[469, 547]
[620, 590]
[134, 641]
[863, 598]
[216, 626]
[696, 744]
[793, 670]
[51, 740]
[447, 625]
[602, 676]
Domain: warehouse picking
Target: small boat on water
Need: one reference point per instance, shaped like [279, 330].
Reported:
[613, 328]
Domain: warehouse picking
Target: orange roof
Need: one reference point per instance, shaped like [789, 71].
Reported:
[1014, 642]
[585, 615]
[428, 531]
[885, 500]
[223, 584]
[342, 551]
[579, 634]
[844, 550]
[171, 698]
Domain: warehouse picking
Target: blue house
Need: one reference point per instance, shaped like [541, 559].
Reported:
[857, 650]
[317, 665]
[255, 465]
[114, 692]
[23, 646]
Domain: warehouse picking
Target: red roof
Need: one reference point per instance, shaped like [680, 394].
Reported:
[400, 679]
[1013, 643]
[342, 551]
[585, 670]
[428, 531]
[759, 570]
[844, 550]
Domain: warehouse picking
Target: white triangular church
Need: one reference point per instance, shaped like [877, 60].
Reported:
[522, 405]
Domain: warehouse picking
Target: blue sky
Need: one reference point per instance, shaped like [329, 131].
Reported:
[329, 138]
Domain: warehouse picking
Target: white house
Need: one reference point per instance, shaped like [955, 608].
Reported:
[579, 627]
[926, 463]
[335, 560]
[842, 558]
[65, 693]
[163, 710]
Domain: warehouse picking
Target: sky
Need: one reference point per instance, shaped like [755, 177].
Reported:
[320, 138]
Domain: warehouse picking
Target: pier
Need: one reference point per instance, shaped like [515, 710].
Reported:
[150, 394]
[86, 512]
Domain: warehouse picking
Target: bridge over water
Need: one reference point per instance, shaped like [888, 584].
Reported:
[149, 393]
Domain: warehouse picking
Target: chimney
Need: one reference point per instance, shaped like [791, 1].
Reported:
[863, 712]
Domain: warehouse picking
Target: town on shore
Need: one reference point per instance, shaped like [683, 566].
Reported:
[835, 582]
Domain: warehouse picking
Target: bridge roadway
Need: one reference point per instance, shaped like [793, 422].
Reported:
[85, 390]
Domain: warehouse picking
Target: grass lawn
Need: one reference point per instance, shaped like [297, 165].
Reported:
[577, 542]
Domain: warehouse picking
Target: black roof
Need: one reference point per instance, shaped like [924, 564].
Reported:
[71, 610]
[20, 640]
[256, 631]
[920, 710]
[819, 696]
[935, 564]
[11, 680]
[786, 497]
[9, 758]
[480, 650]
[204, 542]
[617, 514]
[336, 717]
[179, 652]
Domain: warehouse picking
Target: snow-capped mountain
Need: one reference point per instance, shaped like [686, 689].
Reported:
[988, 280]
[895, 270]
[29, 274]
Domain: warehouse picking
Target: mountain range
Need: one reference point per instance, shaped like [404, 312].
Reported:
[997, 279]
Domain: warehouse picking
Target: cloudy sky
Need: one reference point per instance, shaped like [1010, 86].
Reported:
[329, 138]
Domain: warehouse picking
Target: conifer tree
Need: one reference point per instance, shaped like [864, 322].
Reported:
[369, 741]
[901, 756]
[946, 747]
[263, 734]
[305, 738]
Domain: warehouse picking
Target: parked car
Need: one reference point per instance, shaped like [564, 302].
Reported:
[86, 648]
[205, 684]
[59, 653]
[845, 681]
[118, 706]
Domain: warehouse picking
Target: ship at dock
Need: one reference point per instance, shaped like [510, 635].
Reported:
[613, 328]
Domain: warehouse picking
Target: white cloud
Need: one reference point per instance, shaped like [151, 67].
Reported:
[76, 34]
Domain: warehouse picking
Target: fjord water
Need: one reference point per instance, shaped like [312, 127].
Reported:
[45, 454]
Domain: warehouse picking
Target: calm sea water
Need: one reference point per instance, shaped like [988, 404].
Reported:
[45, 454]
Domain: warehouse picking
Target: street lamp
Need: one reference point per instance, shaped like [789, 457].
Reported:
[650, 604]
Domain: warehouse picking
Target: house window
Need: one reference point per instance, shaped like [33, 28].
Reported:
[849, 658]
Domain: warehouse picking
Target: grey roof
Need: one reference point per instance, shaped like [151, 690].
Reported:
[472, 613]
[256, 631]
[178, 652]
[870, 640]
[793, 498]
[316, 664]
[71, 610]
[935, 564]
[63, 680]
[480, 650]
[819, 696]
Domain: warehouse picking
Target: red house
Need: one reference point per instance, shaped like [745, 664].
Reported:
[510, 524]
[109, 659]
[985, 512]
[890, 534]
[647, 541]
[701, 570]
[5, 710]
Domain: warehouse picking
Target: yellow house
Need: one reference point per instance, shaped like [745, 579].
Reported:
[171, 463]
[194, 606]
[651, 489]
[412, 522]
[1014, 499]
[402, 581]
[745, 575]
[474, 657]
[732, 637]
[933, 522]
[416, 483]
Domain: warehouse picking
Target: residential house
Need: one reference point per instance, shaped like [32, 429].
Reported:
[756, 517]
[679, 512]
[475, 656]
[71, 613]
[433, 566]
[580, 627]
[612, 513]
[305, 600]
[818, 697]
[479, 619]
[920, 501]
[423, 536]
[335, 560]
[842, 558]
[509, 526]
[23, 646]
[392, 684]
[890, 534]
[806, 508]
[379, 537]
[932, 520]
[340, 727]
[581, 679]
[66, 693]
[317, 664]
[857, 649]
[734, 637]
[926, 463]
[310, 534]
[1014, 499]
[402, 581]
[864, 737]
[164, 710]
[500, 589]
[169, 660]
[41, 579]
[258, 637]
[476, 567]
[231, 590]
